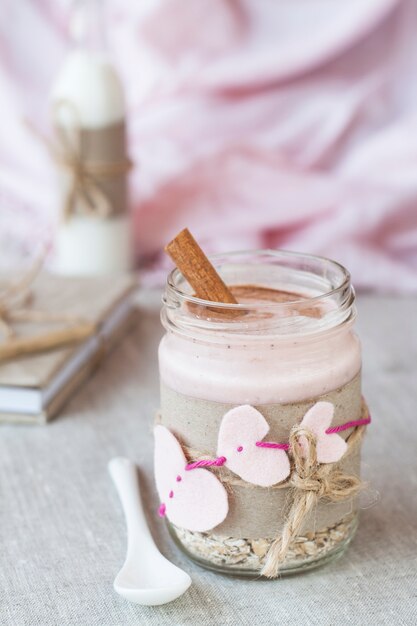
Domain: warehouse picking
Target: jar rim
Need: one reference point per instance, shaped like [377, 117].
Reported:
[175, 275]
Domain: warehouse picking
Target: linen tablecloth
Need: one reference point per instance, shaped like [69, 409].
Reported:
[62, 533]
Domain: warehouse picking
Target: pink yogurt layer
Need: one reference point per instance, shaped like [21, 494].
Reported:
[260, 370]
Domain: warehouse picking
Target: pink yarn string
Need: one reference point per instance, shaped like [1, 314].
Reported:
[221, 460]
[329, 431]
[271, 444]
[347, 425]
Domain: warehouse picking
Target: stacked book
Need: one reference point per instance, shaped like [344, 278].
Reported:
[33, 387]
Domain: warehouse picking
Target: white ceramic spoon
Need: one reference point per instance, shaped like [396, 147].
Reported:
[146, 577]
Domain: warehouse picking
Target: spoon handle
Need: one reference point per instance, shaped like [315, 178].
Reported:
[124, 474]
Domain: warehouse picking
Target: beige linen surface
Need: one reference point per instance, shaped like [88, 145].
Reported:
[62, 533]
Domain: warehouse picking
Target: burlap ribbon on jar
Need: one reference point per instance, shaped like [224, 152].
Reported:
[309, 483]
[15, 307]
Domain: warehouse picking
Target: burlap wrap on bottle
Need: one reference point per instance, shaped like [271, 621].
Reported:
[94, 166]
[259, 512]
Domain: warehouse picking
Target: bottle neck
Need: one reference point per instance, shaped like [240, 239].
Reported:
[87, 26]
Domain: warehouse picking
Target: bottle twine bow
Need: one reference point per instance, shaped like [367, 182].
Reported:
[84, 194]
[311, 482]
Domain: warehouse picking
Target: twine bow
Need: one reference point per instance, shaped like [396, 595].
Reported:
[15, 306]
[84, 194]
[311, 482]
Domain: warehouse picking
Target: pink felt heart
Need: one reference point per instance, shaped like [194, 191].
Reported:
[192, 499]
[330, 448]
[240, 429]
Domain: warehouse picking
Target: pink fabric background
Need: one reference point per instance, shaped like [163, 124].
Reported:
[287, 124]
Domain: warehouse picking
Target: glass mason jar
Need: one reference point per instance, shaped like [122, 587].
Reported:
[288, 344]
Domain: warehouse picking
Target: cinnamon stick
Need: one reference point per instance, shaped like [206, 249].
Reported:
[197, 269]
